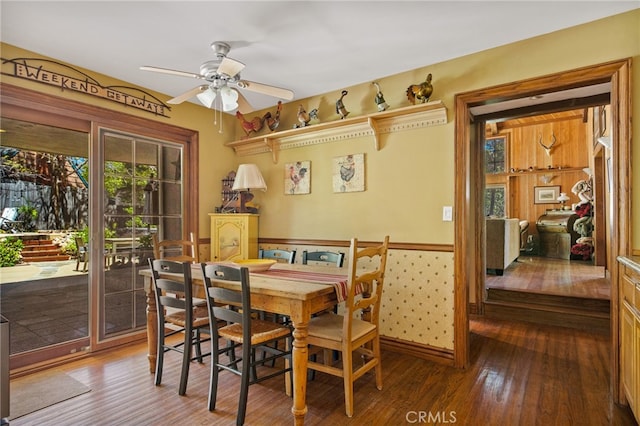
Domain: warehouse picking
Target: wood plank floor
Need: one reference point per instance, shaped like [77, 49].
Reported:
[520, 374]
[546, 275]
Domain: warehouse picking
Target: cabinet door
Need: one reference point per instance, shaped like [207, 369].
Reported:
[628, 346]
[633, 401]
[234, 237]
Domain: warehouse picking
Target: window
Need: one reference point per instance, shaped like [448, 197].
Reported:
[494, 200]
[494, 155]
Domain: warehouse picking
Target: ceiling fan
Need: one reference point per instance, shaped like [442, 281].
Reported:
[219, 74]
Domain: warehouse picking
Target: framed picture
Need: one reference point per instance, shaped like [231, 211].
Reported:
[348, 173]
[297, 178]
[546, 194]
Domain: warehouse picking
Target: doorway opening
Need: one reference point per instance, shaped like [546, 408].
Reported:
[469, 258]
[540, 239]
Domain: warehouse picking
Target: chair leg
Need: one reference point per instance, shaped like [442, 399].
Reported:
[197, 345]
[247, 367]
[186, 360]
[213, 381]
[159, 356]
[347, 371]
[378, 367]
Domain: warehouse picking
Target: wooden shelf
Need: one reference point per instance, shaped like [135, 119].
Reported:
[408, 118]
[538, 171]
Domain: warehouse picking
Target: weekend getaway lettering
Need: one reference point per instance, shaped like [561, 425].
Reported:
[22, 70]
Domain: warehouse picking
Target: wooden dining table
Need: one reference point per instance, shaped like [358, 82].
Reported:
[295, 290]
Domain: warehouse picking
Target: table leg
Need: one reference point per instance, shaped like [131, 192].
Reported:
[300, 359]
[152, 325]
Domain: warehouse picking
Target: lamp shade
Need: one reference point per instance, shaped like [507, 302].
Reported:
[563, 197]
[229, 99]
[207, 97]
[248, 177]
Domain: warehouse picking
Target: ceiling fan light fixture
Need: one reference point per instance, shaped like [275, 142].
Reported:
[229, 99]
[207, 98]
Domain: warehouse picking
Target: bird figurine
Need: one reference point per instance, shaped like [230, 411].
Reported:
[340, 108]
[274, 122]
[379, 99]
[421, 92]
[305, 117]
[255, 125]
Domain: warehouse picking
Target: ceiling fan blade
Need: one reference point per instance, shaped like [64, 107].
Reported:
[187, 95]
[230, 67]
[243, 104]
[170, 71]
[276, 92]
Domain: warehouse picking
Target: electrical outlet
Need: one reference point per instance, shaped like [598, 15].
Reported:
[447, 214]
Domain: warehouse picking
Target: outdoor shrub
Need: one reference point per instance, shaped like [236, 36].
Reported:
[27, 215]
[10, 249]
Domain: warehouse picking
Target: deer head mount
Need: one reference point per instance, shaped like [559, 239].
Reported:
[547, 149]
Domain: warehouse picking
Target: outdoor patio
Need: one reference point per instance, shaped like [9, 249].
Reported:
[48, 303]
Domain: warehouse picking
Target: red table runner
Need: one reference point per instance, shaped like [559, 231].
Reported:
[339, 282]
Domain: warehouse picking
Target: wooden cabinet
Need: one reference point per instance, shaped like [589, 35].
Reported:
[630, 333]
[234, 236]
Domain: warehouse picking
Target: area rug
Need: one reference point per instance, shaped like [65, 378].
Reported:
[37, 391]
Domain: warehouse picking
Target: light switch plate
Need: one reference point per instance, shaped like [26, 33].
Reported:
[447, 214]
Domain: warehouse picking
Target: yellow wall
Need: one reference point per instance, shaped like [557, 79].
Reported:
[411, 177]
[408, 180]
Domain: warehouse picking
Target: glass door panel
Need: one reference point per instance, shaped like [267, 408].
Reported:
[44, 293]
[143, 196]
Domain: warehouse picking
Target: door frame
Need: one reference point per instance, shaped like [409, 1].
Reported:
[37, 107]
[469, 257]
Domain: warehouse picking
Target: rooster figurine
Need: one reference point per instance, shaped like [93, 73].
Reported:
[421, 92]
[255, 125]
[273, 123]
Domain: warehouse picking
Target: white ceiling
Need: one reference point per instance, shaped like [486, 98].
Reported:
[310, 47]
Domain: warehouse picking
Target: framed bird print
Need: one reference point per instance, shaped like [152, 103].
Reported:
[297, 178]
[348, 173]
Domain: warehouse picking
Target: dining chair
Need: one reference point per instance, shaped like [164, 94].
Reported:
[286, 256]
[357, 331]
[177, 315]
[327, 257]
[83, 254]
[283, 256]
[178, 250]
[232, 308]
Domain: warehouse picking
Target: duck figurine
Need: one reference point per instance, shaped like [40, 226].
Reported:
[340, 108]
[379, 99]
[305, 117]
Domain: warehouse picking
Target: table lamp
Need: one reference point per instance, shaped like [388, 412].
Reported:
[248, 177]
[563, 198]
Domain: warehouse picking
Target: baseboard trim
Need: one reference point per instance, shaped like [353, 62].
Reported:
[419, 350]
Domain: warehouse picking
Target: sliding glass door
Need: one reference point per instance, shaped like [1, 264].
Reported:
[77, 231]
[142, 197]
